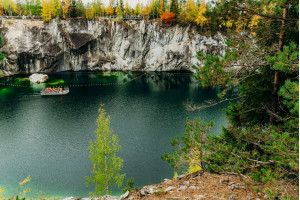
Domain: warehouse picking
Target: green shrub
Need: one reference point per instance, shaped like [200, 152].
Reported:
[130, 185]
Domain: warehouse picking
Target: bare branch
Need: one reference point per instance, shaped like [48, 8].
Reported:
[266, 16]
[279, 118]
[192, 107]
[230, 173]
[256, 161]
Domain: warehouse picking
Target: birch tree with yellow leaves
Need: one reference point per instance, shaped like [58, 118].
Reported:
[110, 9]
[89, 11]
[48, 10]
[161, 8]
[191, 11]
[146, 11]
[138, 8]
[65, 5]
[128, 9]
[201, 19]
[8, 7]
[103, 154]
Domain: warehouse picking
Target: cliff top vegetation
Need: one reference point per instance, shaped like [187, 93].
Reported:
[195, 12]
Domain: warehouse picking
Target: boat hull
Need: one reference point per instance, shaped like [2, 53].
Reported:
[64, 92]
[54, 94]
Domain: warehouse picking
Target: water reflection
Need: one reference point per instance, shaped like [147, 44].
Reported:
[48, 138]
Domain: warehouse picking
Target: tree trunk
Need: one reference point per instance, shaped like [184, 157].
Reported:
[106, 175]
[276, 76]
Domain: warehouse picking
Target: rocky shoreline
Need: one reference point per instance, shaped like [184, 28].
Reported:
[204, 186]
[101, 44]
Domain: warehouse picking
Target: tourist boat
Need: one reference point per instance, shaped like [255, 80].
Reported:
[64, 91]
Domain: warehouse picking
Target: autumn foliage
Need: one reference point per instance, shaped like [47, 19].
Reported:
[168, 17]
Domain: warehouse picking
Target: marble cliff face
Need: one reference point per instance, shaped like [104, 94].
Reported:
[79, 44]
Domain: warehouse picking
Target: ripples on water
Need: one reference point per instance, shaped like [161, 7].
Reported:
[48, 137]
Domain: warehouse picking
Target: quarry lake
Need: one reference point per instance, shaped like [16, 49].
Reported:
[48, 137]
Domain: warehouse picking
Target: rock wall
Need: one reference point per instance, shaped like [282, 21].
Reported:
[79, 44]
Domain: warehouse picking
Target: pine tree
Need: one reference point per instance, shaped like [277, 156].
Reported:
[58, 8]
[106, 164]
[72, 10]
[121, 7]
[174, 8]
[80, 9]
[36, 9]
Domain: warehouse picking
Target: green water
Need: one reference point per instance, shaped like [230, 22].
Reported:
[48, 137]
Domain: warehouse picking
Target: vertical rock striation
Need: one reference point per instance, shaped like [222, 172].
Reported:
[80, 44]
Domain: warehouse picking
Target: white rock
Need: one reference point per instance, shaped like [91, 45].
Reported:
[193, 187]
[102, 44]
[170, 188]
[142, 192]
[181, 176]
[68, 198]
[232, 197]
[186, 183]
[199, 197]
[183, 187]
[38, 78]
[125, 195]
[151, 191]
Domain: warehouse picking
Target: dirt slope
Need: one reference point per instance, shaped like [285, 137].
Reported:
[203, 185]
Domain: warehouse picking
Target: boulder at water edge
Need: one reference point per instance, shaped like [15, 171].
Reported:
[38, 78]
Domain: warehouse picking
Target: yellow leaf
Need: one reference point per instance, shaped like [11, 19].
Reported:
[201, 20]
[26, 180]
[2, 190]
[175, 175]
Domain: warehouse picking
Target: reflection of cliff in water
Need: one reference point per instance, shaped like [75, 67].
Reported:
[158, 81]
[168, 80]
